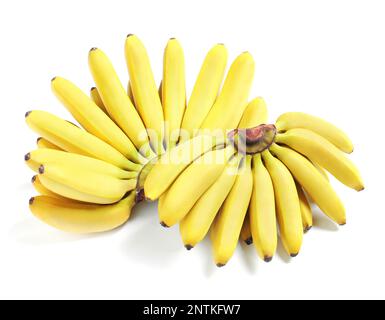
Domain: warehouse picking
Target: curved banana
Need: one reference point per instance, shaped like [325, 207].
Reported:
[79, 184]
[73, 139]
[74, 217]
[315, 185]
[116, 100]
[254, 114]
[205, 90]
[319, 150]
[93, 119]
[43, 156]
[191, 184]
[45, 144]
[287, 204]
[145, 91]
[173, 91]
[263, 222]
[173, 162]
[229, 106]
[228, 223]
[306, 214]
[196, 224]
[291, 120]
[246, 235]
[95, 96]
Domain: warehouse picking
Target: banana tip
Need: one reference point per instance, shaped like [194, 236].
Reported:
[27, 114]
[249, 241]
[164, 224]
[41, 169]
[93, 49]
[27, 156]
[53, 79]
[188, 247]
[307, 229]
[31, 200]
[220, 265]
[342, 223]
[267, 259]
[33, 179]
[293, 255]
[129, 35]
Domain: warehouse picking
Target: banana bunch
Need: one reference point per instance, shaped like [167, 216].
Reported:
[214, 165]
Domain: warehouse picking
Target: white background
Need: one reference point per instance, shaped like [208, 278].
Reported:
[323, 57]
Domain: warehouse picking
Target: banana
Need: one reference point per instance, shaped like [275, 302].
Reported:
[287, 204]
[315, 185]
[93, 119]
[144, 90]
[196, 224]
[173, 91]
[254, 114]
[306, 214]
[228, 223]
[319, 150]
[79, 184]
[74, 217]
[191, 184]
[228, 108]
[173, 162]
[205, 90]
[95, 96]
[73, 139]
[45, 144]
[291, 120]
[116, 100]
[43, 156]
[246, 235]
[263, 222]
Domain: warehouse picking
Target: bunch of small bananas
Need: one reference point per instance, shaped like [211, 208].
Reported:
[214, 164]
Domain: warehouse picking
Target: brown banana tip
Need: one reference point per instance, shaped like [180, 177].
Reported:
[164, 225]
[93, 88]
[31, 200]
[38, 139]
[307, 229]
[220, 44]
[53, 79]
[293, 255]
[188, 247]
[268, 259]
[361, 189]
[220, 265]
[33, 179]
[342, 224]
[41, 169]
[172, 38]
[249, 241]
[27, 156]
[27, 114]
[93, 49]
[129, 35]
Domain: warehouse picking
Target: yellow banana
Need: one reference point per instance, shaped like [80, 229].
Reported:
[75, 217]
[191, 184]
[93, 119]
[315, 185]
[254, 114]
[95, 96]
[45, 144]
[196, 224]
[79, 184]
[228, 108]
[144, 89]
[173, 162]
[307, 217]
[287, 204]
[205, 90]
[246, 235]
[173, 91]
[116, 100]
[291, 120]
[263, 222]
[43, 156]
[228, 224]
[319, 150]
[73, 139]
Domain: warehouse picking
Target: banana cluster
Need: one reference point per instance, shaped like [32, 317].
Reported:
[213, 163]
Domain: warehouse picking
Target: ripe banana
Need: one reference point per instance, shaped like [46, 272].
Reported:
[75, 217]
[144, 90]
[254, 114]
[205, 90]
[287, 204]
[93, 119]
[319, 150]
[306, 214]
[191, 184]
[246, 235]
[228, 224]
[263, 222]
[313, 182]
[45, 144]
[173, 91]
[43, 156]
[228, 108]
[73, 139]
[196, 224]
[173, 162]
[95, 96]
[291, 120]
[116, 100]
